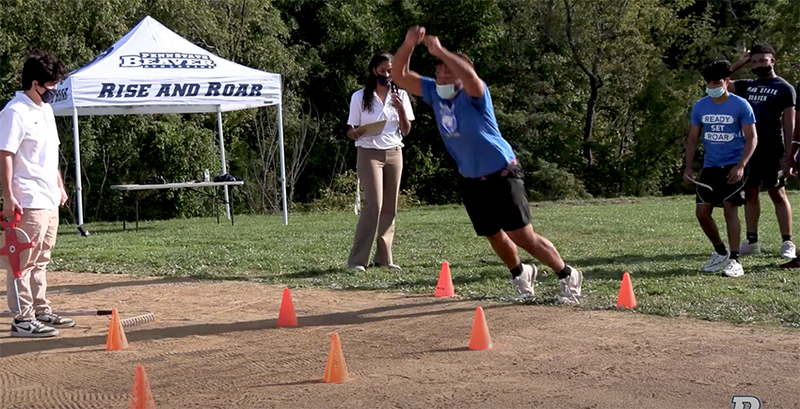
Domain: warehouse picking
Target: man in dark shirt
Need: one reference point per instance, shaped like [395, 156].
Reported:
[795, 147]
[772, 99]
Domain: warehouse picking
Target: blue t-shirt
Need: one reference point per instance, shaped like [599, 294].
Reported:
[723, 138]
[469, 130]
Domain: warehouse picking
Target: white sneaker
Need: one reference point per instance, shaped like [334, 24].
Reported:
[55, 321]
[524, 281]
[391, 266]
[788, 250]
[733, 269]
[716, 263]
[747, 248]
[571, 287]
[31, 329]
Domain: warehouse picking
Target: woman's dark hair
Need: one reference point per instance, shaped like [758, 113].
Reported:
[369, 86]
[42, 67]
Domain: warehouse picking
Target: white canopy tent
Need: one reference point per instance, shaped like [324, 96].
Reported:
[153, 70]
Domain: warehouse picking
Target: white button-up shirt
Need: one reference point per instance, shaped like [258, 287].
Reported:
[391, 136]
[29, 132]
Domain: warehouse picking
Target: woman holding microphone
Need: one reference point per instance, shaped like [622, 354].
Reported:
[380, 160]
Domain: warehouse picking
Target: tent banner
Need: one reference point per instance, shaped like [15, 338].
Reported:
[153, 91]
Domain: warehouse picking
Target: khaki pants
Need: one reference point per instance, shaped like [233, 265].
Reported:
[42, 227]
[379, 172]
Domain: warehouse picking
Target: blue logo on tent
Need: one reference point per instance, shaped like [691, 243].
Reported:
[61, 95]
[166, 60]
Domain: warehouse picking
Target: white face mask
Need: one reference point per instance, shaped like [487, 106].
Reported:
[716, 92]
[446, 91]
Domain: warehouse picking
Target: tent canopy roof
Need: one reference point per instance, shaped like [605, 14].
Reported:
[153, 70]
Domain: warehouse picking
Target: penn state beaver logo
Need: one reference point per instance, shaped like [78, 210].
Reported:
[167, 60]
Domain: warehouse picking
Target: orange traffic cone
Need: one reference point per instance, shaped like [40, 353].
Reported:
[480, 339]
[286, 317]
[336, 369]
[445, 286]
[116, 334]
[626, 297]
[142, 396]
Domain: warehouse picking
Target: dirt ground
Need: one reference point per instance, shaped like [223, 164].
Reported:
[216, 345]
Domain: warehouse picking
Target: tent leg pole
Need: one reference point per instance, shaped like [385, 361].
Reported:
[222, 159]
[283, 165]
[78, 188]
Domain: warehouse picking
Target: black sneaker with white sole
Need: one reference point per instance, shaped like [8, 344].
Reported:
[55, 321]
[31, 329]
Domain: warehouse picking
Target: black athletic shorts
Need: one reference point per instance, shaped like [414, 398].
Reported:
[498, 201]
[721, 190]
[766, 173]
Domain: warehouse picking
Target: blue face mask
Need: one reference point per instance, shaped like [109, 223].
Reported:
[446, 91]
[384, 80]
[48, 95]
[715, 92]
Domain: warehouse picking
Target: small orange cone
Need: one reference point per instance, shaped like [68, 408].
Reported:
[287, 317]
[480, 339]
[116, 334]
[626, 297]
[142, 396]
[336, 369]
[445, 286]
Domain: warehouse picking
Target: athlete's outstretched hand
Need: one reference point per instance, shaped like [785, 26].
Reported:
[736, 174]
[434, 46]
[415, 35]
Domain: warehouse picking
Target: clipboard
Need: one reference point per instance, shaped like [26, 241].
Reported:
[372, 129]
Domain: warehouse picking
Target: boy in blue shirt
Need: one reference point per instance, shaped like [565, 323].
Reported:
[729, 140]
[493, 191]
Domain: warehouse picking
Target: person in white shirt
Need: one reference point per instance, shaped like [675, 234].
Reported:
[380, 160]
[33, 188]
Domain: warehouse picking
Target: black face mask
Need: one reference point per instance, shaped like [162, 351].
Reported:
[48, 96]
[384, 81]
[761, 71]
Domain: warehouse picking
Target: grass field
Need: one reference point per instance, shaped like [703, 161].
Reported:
[657, 240]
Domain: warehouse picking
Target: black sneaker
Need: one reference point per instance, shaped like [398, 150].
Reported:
[55, 321]
[31, 329]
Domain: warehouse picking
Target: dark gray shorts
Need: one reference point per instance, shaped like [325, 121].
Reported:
[717, 178]
[497, 202]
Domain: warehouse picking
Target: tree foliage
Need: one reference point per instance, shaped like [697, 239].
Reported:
[594, 96]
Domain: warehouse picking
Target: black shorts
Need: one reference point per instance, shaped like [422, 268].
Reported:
[722, 191]
[766, 173]
[497, 202]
